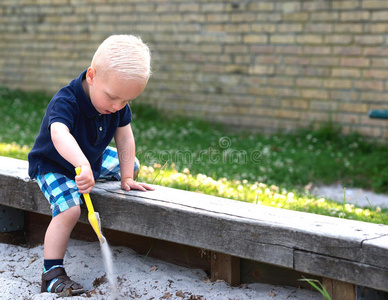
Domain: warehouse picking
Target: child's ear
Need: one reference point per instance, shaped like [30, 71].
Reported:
[90, 75]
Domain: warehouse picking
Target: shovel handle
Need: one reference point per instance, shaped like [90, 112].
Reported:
[89, 204]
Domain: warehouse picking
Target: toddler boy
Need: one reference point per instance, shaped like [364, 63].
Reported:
[80, 122]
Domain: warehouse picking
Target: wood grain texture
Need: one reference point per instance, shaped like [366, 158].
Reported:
[342, 270]
[225, 267]
[339, 290]
[300, 241]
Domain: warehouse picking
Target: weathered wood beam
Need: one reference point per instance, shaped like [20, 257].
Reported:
[340, 249]
[339, 290]
[225, 267]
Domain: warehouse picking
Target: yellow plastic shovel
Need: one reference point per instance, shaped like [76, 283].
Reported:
[93, 217]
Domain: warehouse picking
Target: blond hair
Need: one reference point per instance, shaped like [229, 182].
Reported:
[126, 55]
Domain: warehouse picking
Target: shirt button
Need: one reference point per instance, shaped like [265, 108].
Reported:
[100, 128]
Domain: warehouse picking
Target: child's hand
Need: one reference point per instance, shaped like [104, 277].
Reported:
[128, 184]
[85, 181]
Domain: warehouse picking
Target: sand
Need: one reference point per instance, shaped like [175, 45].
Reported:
[137, 277]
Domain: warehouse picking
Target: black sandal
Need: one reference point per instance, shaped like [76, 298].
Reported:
[62, 284]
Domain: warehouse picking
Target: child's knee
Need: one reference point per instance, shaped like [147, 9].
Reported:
[72, 214]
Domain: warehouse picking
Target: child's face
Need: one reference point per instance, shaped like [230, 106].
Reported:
[109, 93]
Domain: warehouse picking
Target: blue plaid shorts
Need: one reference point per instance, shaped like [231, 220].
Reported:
[62, 192]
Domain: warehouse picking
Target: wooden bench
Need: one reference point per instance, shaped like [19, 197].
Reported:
[344, 254]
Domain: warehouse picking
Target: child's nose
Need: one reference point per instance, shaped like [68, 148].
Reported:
[116, 107]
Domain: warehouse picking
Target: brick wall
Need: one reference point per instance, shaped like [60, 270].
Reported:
[270, 65]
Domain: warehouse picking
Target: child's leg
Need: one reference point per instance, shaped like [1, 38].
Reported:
[65, 201]
[58, 233]
[110, 168]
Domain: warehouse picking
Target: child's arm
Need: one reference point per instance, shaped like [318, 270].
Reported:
[125, 143]
[69, 149]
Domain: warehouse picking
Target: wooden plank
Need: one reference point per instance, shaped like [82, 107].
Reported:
[258, 272]
[339, 290]
[318, 234]
[24, 195]
[342, 270]
[182, 255]
[139, 213]
[313, 233]
[255, 232]
[200, 228]
[225, 267]
[375, 249]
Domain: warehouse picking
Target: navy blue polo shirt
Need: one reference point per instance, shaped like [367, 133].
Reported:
[93, 131]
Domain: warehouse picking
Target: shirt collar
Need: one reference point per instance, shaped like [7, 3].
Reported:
[82, 98]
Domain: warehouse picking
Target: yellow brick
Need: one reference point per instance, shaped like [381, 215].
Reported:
[143, 8]
[264, 27]
[288, 114]
[324, 16]
[347, 50]
[255, 39]
[243, 17]
[190, 7]
[235, 49]
[379, 16]
[337, 84]
[300, 104]
[171, 18]
[289, 7]
[166, 7]
[309, 39]
[236, 69]
[290, 27]
[217, 18]
[282, 39]
[261, 6]
[194, 17]
[376, 27]
[345, 72]
[353, 107]
[323, 105]
[374, 4]
[374, 97]
[349, 4]
[355, 62]
[281, 81]
[375, 85]
[207, 7]
[298, 16]
[355, 16]
[380, 74]
[319, 27]
[349, 28]
[309, 82]
[338, 39]
[211, 48]
[369, 39]
[315, 94]
[237, 28]
[317, 50]
[261, 70]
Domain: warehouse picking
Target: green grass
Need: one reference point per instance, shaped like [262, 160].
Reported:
[292, 161]
[319, 287]
[203, 157]
[259, 193]
[21, 116]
